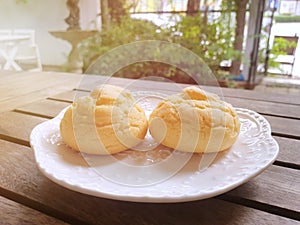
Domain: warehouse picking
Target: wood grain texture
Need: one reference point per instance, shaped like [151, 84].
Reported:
[277, 186]
[284, 127]
[6, 73]
[32, 86]
[17, 127]
[270, 179]
[25, 183]
[66, 96]
[90, 81]
[289, 150]
[267, 108]
[13, 213]
[43, 108]
[12, 121]
[36, 96]
[55, 82]
[261, 96]
[280, 126]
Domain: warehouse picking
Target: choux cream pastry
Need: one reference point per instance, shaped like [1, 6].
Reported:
[106, 122]
[195, 121]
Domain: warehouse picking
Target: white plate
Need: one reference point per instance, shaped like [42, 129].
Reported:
[144, 176]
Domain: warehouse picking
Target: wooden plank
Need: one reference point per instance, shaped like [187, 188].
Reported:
[267, 108]
[67, 96]
[6, 73]
[43, 108]
[87, 82]
[256, 104]
[90, 81]
[284, 127]
[14, 213]
[30, 87]
[265, 97]
[25, 183]
[17, 127]
[277, 186]
[32, 80]
[25, 83]
[289, 151]
[13, 76]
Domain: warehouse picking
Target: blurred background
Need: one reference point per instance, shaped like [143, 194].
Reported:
[244, 42]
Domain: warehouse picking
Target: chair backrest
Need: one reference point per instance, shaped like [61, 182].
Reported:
[5, 32]
[28, 57]
[291, 39]
[26, 32]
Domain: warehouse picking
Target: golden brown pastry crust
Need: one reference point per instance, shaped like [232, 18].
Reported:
[119, 123]
[195, 121]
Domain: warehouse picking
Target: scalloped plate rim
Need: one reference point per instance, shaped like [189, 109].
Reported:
[147, 198]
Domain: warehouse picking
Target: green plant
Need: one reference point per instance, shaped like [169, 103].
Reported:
[21, 1]
[209, 40]
[279, 47]
[127, 31]
[287, 19]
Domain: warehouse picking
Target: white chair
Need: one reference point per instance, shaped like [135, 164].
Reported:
[5, 32]
[27, 55]
[26, 32]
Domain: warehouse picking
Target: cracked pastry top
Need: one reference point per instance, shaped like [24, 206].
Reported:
[107, 121]
[195, 121]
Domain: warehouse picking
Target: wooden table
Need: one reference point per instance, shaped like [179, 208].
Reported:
[28, 197]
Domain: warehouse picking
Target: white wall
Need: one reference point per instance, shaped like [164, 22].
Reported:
[44, 16]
